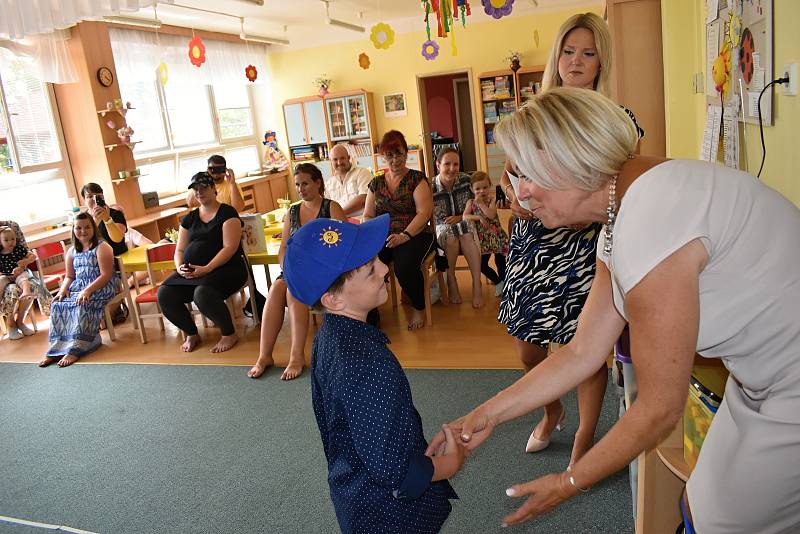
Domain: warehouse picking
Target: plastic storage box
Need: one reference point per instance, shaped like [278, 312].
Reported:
[706, 389]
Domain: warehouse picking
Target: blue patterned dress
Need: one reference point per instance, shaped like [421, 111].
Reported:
[75, 329]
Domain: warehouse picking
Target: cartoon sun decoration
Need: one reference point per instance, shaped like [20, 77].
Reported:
[251, 72]
[382, 35]
[330, 237]
[197, 51]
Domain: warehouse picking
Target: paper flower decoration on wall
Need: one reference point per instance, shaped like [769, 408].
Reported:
[498, 8]
[163, 73]
[251, 72]
[430, 50]
[197, 51]
[721, 70]
[363, 61]
[382, 35]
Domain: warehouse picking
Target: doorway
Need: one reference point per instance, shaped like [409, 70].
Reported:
[448, 117]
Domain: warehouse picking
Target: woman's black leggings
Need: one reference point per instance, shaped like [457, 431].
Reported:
[407, 259]
[209, 301]
[488, 272]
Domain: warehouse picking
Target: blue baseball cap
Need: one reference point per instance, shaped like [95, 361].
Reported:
[323, 249]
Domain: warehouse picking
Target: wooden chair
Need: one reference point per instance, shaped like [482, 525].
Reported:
[112, 305]
[164, 252]
[48, 255]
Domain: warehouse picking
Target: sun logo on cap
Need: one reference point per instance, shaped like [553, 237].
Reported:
[330, 237]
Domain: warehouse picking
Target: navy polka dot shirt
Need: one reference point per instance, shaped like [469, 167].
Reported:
[379, 476]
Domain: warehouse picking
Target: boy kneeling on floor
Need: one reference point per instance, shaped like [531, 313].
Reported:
[379, 477]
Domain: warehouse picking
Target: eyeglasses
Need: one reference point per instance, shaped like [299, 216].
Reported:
[394, 155]
[216, 169]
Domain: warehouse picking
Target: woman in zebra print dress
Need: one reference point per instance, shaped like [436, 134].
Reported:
[550, 271]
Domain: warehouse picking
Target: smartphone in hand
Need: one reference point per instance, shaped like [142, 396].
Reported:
[500, 196]
[100, 201]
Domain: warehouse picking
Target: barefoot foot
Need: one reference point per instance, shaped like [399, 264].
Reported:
[66, 361]
[477, 295]
[417, 320]
[191, 343]
[225, 343]
[292, 371]
[260, 366]
[44, 362]
[453, 295]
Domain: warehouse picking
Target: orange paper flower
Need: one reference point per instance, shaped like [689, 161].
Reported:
[363, 61]
[197, 51]
[251, 73]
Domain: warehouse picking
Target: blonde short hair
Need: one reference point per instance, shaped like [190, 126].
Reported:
[568, 138]
[602, 42]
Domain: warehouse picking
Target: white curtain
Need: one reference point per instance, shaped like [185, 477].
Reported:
[23, 18]
[48, 53]
[138, 53]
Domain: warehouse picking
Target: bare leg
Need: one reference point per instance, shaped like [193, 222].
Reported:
[469, 247]
[531, 356]
[23, 307]
[590, 401]
[271, 324]
[451, 250]
[298, 319]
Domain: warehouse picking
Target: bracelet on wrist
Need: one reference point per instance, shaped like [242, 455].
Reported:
[409, 236]
[571, 480]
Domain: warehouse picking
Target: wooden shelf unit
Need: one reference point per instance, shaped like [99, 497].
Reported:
[491, 111]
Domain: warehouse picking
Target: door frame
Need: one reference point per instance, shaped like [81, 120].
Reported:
[423, 114]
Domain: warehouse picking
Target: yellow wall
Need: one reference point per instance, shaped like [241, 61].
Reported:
[482, 46]
[684, 50]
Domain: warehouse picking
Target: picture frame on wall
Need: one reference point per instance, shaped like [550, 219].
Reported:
[394, 105]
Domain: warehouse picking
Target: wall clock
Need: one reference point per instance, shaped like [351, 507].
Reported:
[105, 76]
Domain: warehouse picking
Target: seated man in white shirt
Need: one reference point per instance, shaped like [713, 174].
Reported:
[348, 185]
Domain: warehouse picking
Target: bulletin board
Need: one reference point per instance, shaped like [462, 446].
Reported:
[739, 40]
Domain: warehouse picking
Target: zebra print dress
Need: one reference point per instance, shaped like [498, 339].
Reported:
[548, 277]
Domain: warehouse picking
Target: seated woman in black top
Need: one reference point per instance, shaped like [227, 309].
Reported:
[210, 267]
[110, 223]
[310, 188]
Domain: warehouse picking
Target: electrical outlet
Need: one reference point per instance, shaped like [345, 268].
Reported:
[790, 70]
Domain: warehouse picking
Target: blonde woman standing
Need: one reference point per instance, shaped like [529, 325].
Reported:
[550, 270]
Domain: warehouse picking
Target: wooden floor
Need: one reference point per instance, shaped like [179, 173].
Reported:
[460, 338]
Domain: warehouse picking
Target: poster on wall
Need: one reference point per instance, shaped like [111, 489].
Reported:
[394, 105]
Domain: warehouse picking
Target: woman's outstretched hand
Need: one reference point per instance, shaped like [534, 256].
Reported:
[472, 430]
[545, 493]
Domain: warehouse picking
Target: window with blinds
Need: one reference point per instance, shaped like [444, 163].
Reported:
[29, 115]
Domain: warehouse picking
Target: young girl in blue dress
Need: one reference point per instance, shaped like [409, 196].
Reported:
[77, 309]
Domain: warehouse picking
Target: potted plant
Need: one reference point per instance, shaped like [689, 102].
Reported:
[323, 83]
[513, 59]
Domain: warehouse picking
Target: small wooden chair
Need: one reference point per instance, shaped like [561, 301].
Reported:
[112, 305]
[44, 258]
[163, 252]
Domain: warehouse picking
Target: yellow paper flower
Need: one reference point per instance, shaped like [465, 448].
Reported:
[363, 61]
[382, 35]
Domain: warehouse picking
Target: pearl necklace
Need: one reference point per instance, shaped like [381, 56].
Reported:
[611, 211]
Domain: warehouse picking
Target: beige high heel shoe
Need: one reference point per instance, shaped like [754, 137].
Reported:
[535, 444]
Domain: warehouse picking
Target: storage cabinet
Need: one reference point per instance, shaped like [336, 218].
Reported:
[305, 123]
[413, 161]
[347, 117]
[314, 125]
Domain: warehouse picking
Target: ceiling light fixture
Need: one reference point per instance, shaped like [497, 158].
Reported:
[340, 23]
[256, 2]
[132, 21]
[267, 40]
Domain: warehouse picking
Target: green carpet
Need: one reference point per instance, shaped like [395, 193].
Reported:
[200, 449]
